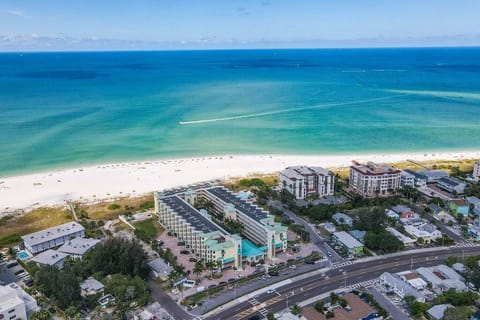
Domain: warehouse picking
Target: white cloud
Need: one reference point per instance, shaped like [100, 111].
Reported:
[16, 13]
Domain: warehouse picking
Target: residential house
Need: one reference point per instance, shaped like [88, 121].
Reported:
[303, 181]
[403, 211]
[392, 214]
[329, 227]
[91, 286]
[372, 179]
[160, 268]
[448, 272]
[437, 312]
[473, 231]
[342, 219]
[459, 207]
[413, 279]
[358, 234]
[420, 235]
[430, 228]
[353, 247]
[475, 203]
[452, 185]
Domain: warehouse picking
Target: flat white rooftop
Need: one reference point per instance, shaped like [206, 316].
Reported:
[52, 233]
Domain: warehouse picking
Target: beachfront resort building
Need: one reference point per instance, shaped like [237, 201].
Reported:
[52, 237]
[206, 239]
[303, 181]
[177, 213]
[476, 171]
[258, 225]
[371, 179]
[412, 179]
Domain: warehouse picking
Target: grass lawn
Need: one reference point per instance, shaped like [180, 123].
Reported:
[35, 220]
[101, 210]
[150, 226]
[234, 184]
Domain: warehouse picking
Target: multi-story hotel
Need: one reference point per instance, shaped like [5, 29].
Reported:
[208, 240]
[302, 181]
[373, 179]
[476, 171]
[204, 238]
[52, 237]
[258, 226]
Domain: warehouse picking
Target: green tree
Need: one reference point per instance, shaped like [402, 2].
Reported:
[295, 309]
[320, 306]
[270, 316]
[60, 285]
[198, 268]
[457, 313]
[40, 315]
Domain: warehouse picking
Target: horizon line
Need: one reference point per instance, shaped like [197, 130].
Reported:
[242, 49]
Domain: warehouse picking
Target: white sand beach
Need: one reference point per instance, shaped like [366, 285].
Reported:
[136, 178]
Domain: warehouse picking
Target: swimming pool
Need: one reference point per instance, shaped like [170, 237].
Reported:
[22, 255]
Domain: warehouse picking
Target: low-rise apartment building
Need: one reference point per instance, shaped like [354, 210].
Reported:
[433, 176]
[303, 181]
[205, 238]
[412, 179]
[371, 179]
[15, 303]
[451, 185]
[52, 237]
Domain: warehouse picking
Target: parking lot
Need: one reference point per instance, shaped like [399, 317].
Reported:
[11, 271]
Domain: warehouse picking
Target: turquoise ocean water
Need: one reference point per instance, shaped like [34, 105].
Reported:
[68, 109]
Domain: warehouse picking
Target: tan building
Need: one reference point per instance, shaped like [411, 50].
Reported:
[371, 179]
[476, 171]
[303, 181]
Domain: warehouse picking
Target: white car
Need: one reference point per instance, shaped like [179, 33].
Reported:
[270, 291]
[293, 266]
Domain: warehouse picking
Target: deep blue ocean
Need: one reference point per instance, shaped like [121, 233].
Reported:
[67, 109]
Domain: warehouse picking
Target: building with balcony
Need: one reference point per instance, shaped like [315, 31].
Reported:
[371, 179]
[452, 185]
[303, 181]
[476, 171]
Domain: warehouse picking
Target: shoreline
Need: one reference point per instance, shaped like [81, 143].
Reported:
[114, 180]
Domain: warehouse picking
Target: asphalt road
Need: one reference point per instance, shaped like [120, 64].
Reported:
[177, 312]
[315, 238]
[334, 279]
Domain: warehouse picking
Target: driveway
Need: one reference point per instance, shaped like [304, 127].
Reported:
[315, 238]
[393, 310]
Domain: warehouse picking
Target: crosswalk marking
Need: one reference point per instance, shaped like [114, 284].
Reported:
[341, 264]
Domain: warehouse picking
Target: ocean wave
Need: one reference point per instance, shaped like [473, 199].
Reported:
[440, 94]
[269, 113]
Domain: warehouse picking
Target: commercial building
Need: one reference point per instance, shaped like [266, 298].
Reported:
[400, 287]
[52, 237]
[50, 258]
[459, 207]
[407, 242]
[451, 185]
[430, 228]
[77, 247]
[15, 303]
[373, 179]
[412, 179]
[205, 238]
[353, 247]
[476, 171]
[442, 278]
[303, 181]
[258, 225]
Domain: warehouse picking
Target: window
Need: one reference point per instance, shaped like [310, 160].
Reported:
[11, 310]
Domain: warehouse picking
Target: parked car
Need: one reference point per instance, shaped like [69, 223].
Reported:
[192, 260]
[18, 272]
[12, 264]
[293, 266]
[222, 283]
[270, 291]
[181, 243]
[309, 261]
[184, 252]
[231, 280]
[273, 273]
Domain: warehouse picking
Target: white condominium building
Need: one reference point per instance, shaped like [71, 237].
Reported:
[203, 237]
[52, 237]
[476, 171]
[15, 303]
[258, 226]
[373, 179]
[302, 181]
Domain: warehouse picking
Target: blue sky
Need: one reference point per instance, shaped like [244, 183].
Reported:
[198, 24]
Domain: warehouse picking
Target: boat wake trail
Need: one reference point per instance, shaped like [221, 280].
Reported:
[269, 113]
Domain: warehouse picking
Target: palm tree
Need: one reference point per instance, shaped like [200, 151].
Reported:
[199, 267]
[295, 309]
[210, 265]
